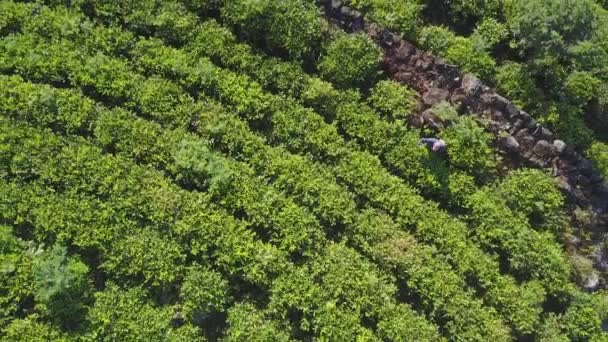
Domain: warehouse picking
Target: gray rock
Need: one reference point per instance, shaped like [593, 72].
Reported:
[336, 4]
[431, 120]
[511, 110]
[543, 149]
[562, 183]
[519, 123]
[509, 143]
[424, 64]
[458, 95]
[585, 165]
[596, 177]
[346, 11]
[559, 145]
[404, 52]
[546, 133]
[500, 102]
[592, 282]
[471, 85]
[434, 96]
[526, 142]
[522, 133]
[524, 116]
[416, 121]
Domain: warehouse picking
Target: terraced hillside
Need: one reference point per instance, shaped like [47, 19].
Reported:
[250, 171]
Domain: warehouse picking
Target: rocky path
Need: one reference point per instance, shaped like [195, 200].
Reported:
[520, 139]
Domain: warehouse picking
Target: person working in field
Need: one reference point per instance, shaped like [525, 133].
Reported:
[434, 145]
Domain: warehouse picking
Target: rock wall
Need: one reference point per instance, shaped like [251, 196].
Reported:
[520, 139]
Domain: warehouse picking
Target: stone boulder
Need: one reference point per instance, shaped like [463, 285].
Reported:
[471, 85]
[560, 146]
[509, 143]
[543, 149]
[432, 120]
[434, 96]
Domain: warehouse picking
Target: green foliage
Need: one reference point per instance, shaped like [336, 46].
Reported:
[350, 60]
[402, 16]
[598, 152]
[582, 86]
[535, 194]
[445, 111]
[589, 56]
[393, 325]
[393, 99]
[489, 33]
[514, 81]
[148, 255]
[341, 325]
[293, 27]
[129, 187]
[469, 147]
[542, 26]
[461, 186]
[31, 330]
[569, 125]
[204, 292]
[246, 323]
[128, 315]
[458, 50]
[195, 161]
[585, 316]
[464, 10]
[61, 285]
[530, 254]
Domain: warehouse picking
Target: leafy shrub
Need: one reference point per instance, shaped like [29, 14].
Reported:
[402, 16]
[550, 26]
[393, 99]
[61, 285]
[350, 60]
[568, 123]
[598, 152]
[514, 81]
[437, 39]
[204, 292]
[146, 255]
[465, 10]
[247, 323]
[488, 34]
[458, 50]
[30, 329]
[127, 315]
[294, 27]
[582, 86]
[463, 53]
[461, 186]
[584, 318]
[534, 193]
[589, 56]
[445, 111]
[469, 147]
[196, 161]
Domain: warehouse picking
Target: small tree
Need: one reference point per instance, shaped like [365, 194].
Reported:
[550, 26]
[61, 285]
